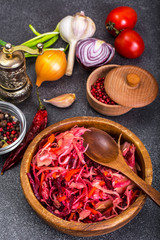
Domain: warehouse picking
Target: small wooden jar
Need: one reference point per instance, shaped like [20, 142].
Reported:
[128, 86]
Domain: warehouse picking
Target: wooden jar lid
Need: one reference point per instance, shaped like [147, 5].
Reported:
[131, 86]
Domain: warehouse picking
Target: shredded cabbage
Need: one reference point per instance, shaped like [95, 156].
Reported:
[73, 187]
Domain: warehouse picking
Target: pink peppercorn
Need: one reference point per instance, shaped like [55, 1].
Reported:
[98, 92]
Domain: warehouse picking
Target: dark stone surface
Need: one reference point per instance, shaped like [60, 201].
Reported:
[17, 219]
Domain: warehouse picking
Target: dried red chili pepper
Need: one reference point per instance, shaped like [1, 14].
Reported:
[38, 124]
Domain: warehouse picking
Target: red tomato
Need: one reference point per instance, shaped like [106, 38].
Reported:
[123, 17]
[129, 44]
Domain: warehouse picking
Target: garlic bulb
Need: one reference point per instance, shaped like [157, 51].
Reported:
[62, 101]
[72, 29]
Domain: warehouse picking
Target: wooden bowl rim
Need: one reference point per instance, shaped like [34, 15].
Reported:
[71, 227]
[89, 92]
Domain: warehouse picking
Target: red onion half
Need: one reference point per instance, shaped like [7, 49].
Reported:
[92, 53]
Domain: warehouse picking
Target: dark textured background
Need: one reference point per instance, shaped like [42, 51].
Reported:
[17, 219]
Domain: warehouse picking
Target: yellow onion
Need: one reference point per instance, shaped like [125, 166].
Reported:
[50, 66]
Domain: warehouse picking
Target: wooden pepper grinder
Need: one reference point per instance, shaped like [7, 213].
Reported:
[15, 85]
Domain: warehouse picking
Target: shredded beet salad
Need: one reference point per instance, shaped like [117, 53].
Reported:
[72, 186]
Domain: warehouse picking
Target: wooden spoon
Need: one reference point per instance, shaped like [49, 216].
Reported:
[103, 149]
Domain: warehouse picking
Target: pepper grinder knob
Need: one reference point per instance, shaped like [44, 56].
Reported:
[8, 46]
[40, 47]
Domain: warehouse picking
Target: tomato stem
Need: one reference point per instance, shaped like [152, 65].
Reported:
[111, 26]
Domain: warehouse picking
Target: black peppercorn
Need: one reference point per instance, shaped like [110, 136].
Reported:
[4, 123]
[1, 116]
[11, 136]
[8, 131]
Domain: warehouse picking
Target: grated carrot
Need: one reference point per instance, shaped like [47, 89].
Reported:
[92, 210]
[70, 173]
[54, 175]
[50, 139]
[63, 198]
[91, 191]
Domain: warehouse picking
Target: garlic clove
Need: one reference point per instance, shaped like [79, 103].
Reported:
[62, 101]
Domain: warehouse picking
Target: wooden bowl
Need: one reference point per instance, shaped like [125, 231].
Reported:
[105, 109]
[87, 229]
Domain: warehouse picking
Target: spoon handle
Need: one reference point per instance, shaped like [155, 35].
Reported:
[148, 189]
